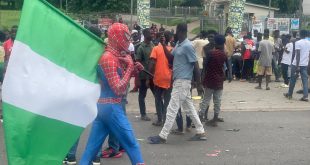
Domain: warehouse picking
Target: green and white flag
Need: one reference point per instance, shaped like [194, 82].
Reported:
[50, 88]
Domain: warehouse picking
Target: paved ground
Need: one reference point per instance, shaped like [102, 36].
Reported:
[272, 131]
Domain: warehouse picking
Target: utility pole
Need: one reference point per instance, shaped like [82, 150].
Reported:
[60, 4]
[269, 8]
[131, 12]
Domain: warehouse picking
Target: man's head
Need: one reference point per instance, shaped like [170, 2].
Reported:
[303, 34]
[219, 41]
[211, 35]
[135, 35]
[228, 31]
[249, 35]
[276, 34]
[119, 37]
[147, 35]
[255, 33]
[181, 31]
[203, 34]
[13, 32]
[259, 36]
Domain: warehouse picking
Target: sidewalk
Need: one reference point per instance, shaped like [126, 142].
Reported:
[240, 96]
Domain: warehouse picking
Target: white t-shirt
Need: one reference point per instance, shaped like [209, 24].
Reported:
[287, 57]
[131, 48]
[304, 46]
[198, 45]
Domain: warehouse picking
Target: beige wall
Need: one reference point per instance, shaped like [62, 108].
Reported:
[306, 7]
[258, 12]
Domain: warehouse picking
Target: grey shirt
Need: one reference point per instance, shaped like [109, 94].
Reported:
[184, 60]
[266, 48]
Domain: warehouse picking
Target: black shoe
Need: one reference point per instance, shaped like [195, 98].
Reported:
[156, 140]
[157, 123]
[267, 88]
[300, 92]
[304, 99]
[96, 161]
[145, 118]
[287, 96]
[220, 119]
[212, 123]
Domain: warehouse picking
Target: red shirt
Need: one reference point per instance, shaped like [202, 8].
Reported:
[248, 46]
[7, 46]
[214, 78]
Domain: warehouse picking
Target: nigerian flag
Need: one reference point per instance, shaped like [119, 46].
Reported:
[50, 88]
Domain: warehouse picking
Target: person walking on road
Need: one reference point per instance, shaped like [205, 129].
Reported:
[300, 66]
[184, 63]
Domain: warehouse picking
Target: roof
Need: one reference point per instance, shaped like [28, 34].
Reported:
[249, 4]
[261, 6]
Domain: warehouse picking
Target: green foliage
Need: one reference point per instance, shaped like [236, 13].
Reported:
[192, 3]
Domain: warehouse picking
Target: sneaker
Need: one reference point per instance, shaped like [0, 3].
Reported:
[304, 99]
[198, 137]
[287, 96]
[107, 151]
[145, 118]
[156, 140]
[70, 161]
[96, 161]
[113, 155]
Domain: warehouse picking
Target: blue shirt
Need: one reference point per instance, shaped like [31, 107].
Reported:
[184, 60]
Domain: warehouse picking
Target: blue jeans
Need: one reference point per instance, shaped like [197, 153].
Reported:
[111, 119]
[72, 152]
[304, 79]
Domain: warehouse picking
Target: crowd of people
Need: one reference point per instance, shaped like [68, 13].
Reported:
[171, 66]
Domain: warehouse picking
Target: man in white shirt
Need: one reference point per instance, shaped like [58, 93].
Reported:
[300, 65]
[287, 61]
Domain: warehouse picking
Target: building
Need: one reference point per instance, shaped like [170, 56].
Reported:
[306, 7]
[221, 8]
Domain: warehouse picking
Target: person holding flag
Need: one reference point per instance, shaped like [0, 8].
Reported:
[114, 77]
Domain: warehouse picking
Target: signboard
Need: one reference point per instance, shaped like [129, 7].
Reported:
[258, 25]
[284, 25]
[272, 24]
[295, 23]
[105, 21]
[143, 12]
[235, 17]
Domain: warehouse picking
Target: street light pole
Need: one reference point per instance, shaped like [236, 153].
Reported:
[131, 12]
[269, 8]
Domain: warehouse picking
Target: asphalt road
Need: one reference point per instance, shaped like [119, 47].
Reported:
[264, 138]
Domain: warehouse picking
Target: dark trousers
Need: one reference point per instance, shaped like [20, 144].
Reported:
[247, 69]
[284, 68]
[179, 120]
[142, 94]
[162, 98]
[237, 66]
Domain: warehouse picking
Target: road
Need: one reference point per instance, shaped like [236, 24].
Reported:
[272, 131]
